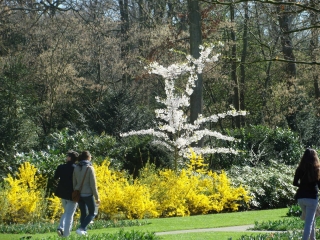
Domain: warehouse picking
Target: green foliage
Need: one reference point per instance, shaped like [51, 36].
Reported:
[118, 111]
[269, 186]
[292, 235]
[45, 227]
[46, 161]
[125, 235]
[287, 224]
[139, 151]
[194, 222]
[279, 225]
[294, 211]
[260, 145]
[308, 124]
[18, 132]
[100, 146]
[128, 154]
[121, 235]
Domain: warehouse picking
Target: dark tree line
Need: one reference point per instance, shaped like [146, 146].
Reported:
[80, 64]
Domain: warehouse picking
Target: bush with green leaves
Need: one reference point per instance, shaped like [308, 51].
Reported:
[101, 147]
[289, 228]
[289, 223]
[120, 235]
[286, 224]
[260, 145]
[45, 227]
[46, 161]
[125, 154]
[294, 211]
[292, 235]
[308, 124]
[270, 186]
[140, 151]
[118, 110]
[18, 131]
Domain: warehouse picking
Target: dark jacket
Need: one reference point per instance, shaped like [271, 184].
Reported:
[306, 189]
[64, 173]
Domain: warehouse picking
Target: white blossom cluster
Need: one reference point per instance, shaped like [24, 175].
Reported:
[173, 130]
[145, 132]
[204, 151]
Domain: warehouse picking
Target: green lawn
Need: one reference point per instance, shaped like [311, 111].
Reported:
[181, 223]
[207, 236]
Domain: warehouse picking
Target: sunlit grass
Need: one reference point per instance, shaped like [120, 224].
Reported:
[183, 223]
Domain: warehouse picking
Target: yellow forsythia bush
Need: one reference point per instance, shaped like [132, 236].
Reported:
[212, 192]
[24, 195]
[157, 193]
[169, 190]
[193, 190]
[121, 198]
[55, 209]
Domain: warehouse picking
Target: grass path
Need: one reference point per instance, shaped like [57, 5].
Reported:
[186, 223]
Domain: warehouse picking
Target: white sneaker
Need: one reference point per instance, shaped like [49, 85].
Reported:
[80, 232]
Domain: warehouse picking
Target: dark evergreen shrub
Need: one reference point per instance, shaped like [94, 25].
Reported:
[259, 145]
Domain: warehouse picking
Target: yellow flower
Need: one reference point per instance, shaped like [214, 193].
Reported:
[24, 195]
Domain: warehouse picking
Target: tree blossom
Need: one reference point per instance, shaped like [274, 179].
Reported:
[145, 132]
[173, 130]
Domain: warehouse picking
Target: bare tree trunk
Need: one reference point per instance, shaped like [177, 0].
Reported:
[314, 45]
[234, 68]
[196, 101]
[124, 34]
[243, 60]
[285, 20]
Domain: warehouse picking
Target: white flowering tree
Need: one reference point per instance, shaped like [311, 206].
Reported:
[174, 130]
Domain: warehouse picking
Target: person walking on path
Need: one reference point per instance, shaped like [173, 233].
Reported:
[64, 175]
[84, 179]
[307, 178]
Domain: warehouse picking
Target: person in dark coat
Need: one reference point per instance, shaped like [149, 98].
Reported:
[64, 174]
[307, 178]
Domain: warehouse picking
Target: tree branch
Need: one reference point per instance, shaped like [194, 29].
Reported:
[302, 29]
[281, 60]
[304, 6]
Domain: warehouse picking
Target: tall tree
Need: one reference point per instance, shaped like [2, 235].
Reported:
[234, 77]
[285, 19]
[196, 100]
[314, 46]
[243, 58]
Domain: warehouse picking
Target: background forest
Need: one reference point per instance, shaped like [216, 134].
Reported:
[72, 76]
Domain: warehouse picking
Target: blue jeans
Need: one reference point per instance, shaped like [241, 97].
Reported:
[309, 206]
[86, 203]
[66, 219]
